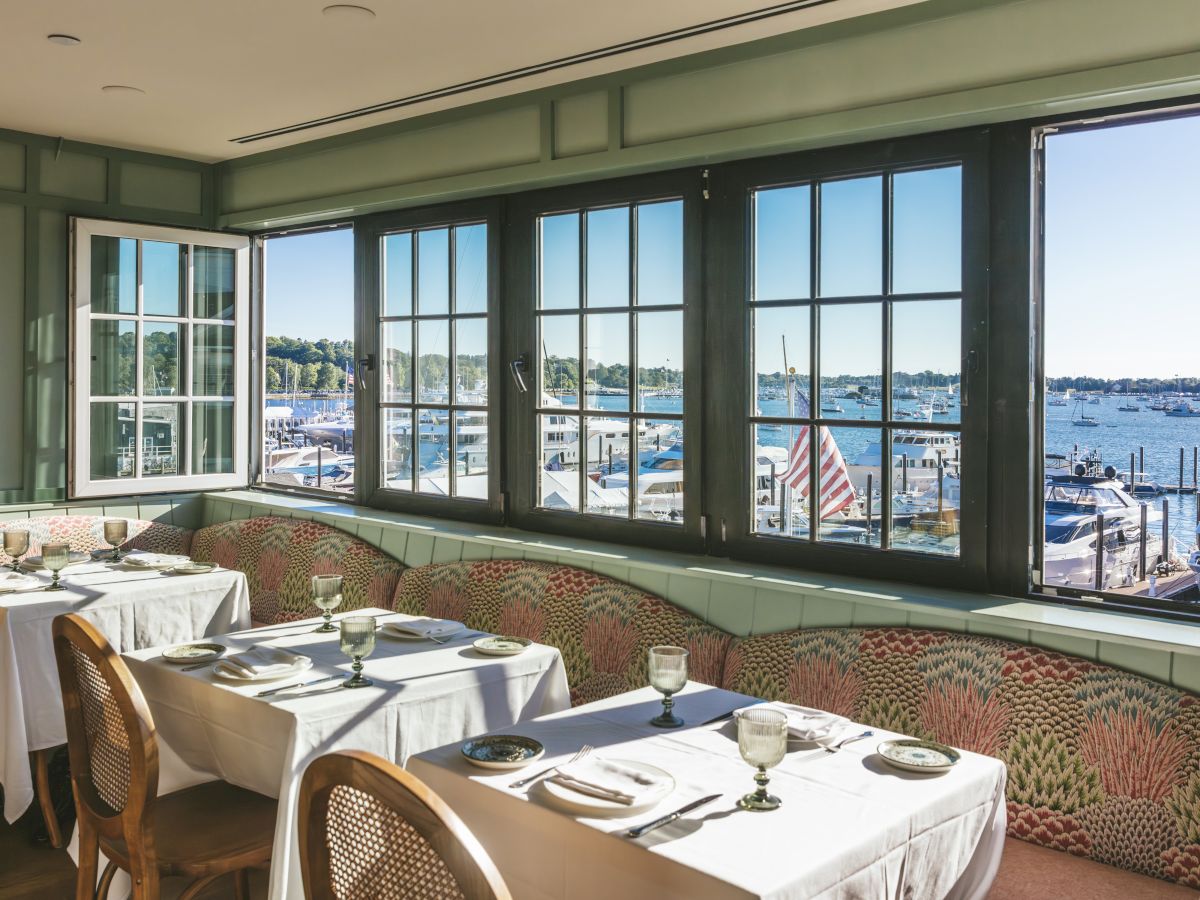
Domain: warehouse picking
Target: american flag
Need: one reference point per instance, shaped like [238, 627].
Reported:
[836, 490]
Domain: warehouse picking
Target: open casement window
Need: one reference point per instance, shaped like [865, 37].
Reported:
[861, 304]
[160, 359]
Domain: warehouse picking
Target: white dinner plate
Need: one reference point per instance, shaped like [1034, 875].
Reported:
[157, 561]
[193, 568]
[301, 666]
[15, 583]
[500, 645]
[598, 807]
[914, 755]
[34, 563]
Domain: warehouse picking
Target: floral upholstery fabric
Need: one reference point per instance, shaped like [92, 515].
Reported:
[86, 533]
[602, 627]
[1101, 763]
[280, 556]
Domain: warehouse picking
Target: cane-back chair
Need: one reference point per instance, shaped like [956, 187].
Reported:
[201, 833]
[369, 830]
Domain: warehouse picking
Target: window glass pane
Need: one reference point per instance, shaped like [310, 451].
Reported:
[471, 454]
[113, 440]
[608, 257]
[926, 492]
[558, 256]
[607, 376]
[114, 357]
[162, 438]
[433, 363]
[212, 437]
[660, 253]
[926, 354]
[114, 275]
[164, 273]
[433, 272]
[850, 474]
[660, 361]
[470, 343]
[927, 231]
[161, 359]
[397, 274]
[213, 270]
[397, 362]
[558, 473]
[851, 237]
[470, 269]
[605, 450]
[772, 478]
[782, 252]
[397, 449]
[433, 449]
[659, 472]
[560, 359]
[852, 357]
[212, 361]
[782, 345]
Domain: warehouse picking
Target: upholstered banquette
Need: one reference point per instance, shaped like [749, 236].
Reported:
[280, 556]
[86, 533]
[1101, 763]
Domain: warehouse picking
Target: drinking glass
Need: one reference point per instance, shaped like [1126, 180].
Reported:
[55, 558]
[115, 533]
[327, 594]
[668, 674]
[762, 741]
[16, 545]
[358, 642]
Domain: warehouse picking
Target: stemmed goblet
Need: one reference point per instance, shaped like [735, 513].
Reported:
[327, 594]
[358, 642]
[116, 531]
[762, 741]
[55, 557]
[668, 667]
[16, 545]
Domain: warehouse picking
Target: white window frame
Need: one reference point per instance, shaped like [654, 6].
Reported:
[81, 482]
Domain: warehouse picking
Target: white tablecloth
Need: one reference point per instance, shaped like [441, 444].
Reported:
[132, 609]
[425, 695]
[849, 827]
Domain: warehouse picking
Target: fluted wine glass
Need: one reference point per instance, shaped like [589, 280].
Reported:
[16, 545]
[327, 594]
[668, 669]
[116, 531]
[55, 557]
[358, 642]
[762, 741]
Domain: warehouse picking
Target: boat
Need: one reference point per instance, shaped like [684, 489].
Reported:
[1183, 410]
[1143, 485]
[1084, 421]
[659, 483]
[1129, 407]
[921, 450]
[832, 408]
[1056, 400]
[1072, 507]
[1093, 401]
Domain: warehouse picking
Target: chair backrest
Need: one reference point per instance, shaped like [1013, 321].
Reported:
[110, 738]
[279, 557]
[86, 533]
[369, 830]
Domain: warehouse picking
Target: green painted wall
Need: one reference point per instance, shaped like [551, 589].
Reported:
[42, 182]
[929, 66]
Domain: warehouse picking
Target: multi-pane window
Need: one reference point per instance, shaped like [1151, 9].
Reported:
[855, 303]
[610, 345]
[433, 340]
[159, 374]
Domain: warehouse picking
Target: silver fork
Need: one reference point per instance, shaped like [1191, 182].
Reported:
[844, 741]
[580, 754]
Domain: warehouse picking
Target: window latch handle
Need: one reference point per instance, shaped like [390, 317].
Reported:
[519, 367]
[362, 367]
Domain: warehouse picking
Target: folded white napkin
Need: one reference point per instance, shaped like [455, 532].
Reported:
[424, 628]
[258, 661]
[805, 723]
[153, 560]
[607, 780]
[15, 581]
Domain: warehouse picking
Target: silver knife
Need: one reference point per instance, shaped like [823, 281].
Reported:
[289, 687]
[670, 817]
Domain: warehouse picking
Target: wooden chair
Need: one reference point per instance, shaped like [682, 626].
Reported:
[369, 830]
[201, 833]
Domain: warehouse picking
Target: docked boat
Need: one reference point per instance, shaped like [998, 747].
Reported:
[1143, 485]
[1183, 410]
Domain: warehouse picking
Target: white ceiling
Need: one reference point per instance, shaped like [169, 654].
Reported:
[220, 69]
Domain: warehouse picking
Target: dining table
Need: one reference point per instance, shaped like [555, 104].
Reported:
[849, 825]
[424, 693]
[132, 607]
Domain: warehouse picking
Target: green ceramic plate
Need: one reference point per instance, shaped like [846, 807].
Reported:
[502, 751]
[919, 756]
[190, 653]
[501, 645]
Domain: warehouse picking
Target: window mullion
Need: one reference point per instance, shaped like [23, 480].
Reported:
[885, 432]
[814, 358]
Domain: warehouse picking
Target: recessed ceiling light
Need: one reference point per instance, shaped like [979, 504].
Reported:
[348, 11]
[65, 40]
[122, 89]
